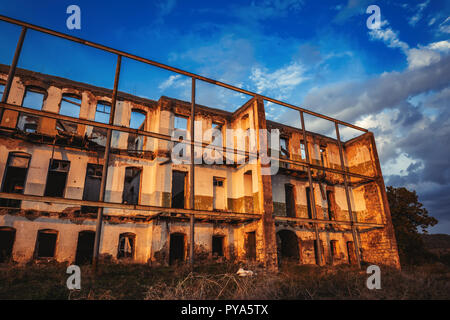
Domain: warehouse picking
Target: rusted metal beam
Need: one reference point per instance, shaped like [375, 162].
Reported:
[347, 194]
[161, 136]
[12, 68]
[323, 221]
[105, 166]
[166, 67]
[192, 178]
[140, 207]
[311, 190]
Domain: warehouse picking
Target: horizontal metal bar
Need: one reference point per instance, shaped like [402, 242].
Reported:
[321, 221]
[166, 67]
[47, 114]
[321, 168]
[161, 136]
[221, 214]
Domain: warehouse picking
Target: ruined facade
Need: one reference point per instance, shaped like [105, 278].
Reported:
[241, 213]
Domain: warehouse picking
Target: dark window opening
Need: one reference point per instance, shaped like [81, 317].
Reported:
[178, 189]
[132, 185]
[316, 250]
[70, 106]
[137, 121]
[308, 202]
[85, 247]
[330, 204]
[284, 148]
[217, 246]
[251, 245]
[290, 200]
[351, 252]
[333, 249]
[33, 99]
[14, 177]
[126, 246]
[57, 178]
[91, 191]
[176, 248]
[287, 244]
[46, 243]
[7, 237]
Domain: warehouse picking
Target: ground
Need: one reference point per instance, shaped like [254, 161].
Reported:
[219, 281]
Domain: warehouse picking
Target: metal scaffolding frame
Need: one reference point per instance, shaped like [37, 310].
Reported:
[191, 212]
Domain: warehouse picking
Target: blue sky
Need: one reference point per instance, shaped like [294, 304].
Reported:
[317, 54]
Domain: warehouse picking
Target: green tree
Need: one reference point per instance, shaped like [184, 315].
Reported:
[409, 218]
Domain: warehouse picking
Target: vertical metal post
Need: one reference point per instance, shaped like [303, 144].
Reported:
[12, 68]
[311, 188]
[347, 194]
[192, 176]
[105, 166]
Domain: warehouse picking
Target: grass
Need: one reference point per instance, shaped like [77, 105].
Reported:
[219, 281]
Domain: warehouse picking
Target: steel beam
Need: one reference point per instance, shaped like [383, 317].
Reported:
[311, 190]
[166, 67]
[105, 166]
[347, 194]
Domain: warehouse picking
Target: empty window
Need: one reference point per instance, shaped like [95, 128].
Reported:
[217, 246]
[85, 247]
[334, 249]
[137, 121]
[14, 177]
[2, 90]
[70, 106]
[126, 246]
[302, 150]
[177, 248]
[251, 245]
[57, 178]
[102, 112]
[46, 243]
[322, 156]
[178, 189]
[330, 203]
[92, 183]
[290, 200]
[7, 237]
[217, 139]
[98, 135]
[132, 185]
[284, 152]
[33, 99]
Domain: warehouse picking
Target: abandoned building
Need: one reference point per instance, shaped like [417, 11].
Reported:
[42, 156]
[327, 203]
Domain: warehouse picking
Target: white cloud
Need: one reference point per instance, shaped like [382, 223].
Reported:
[444, 27]
[389, 36]
[418, 16]
[421, 56]
[282, 80]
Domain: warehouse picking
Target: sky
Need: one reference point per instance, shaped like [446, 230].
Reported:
[321, 55]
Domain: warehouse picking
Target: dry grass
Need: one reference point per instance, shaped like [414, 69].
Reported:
[219, 281]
